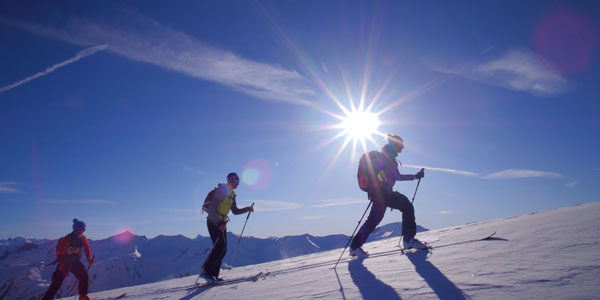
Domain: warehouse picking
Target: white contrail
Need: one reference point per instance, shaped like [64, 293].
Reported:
[453, 171]
[153, 43]
[81, 54]
[520, 173]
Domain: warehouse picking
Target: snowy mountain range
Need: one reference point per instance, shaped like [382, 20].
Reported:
[127, 260]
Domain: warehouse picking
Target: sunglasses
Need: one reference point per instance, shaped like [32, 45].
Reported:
[236, 180]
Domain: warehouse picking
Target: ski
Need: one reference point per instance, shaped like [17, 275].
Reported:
[488, 237]
[230, 281]
[118, 297]
[431, 247]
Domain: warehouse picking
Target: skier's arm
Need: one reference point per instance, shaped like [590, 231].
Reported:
[406, 177]
[402, 177]
[238, 211]
[86, 248]
[419, 174]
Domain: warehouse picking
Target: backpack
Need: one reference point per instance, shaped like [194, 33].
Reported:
[208, 200]
[371, 170]
[58, 243]
[73, 251]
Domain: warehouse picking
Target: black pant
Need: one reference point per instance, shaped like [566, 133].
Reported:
[212, 264]
[62, 271]
[383, 199]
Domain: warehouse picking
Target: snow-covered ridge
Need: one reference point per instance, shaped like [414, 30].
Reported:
[17, 244]
[127, 259]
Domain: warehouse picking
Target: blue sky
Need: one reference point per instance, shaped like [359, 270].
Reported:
[125, 114]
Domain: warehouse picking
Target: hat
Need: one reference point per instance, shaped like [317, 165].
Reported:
[78, 225]
[395, 141]
[232, 175]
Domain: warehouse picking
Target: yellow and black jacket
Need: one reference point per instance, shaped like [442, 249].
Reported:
[223, 201]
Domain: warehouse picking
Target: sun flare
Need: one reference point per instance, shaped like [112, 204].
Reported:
[360, 125]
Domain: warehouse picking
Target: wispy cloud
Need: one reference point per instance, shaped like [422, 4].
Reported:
[445, 212]
[184, 210]
[310, 218]
[445, 170]
[193, 170]
[81, 54]
[85, 202]
[572, 184]
[8, 187]
[519, 173]
[520, 70]
[269, 205]
[338, 202]
[151, 42]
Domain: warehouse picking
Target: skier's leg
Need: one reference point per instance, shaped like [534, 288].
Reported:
[84, 281]
[57, 279]
[220, 251]
[401, 202]
[375, 216]
[210, 264]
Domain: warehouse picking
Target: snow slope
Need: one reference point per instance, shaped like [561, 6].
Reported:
[547, 255]
[127, 260]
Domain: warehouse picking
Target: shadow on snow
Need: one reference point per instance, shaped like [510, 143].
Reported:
[439, 283]
[369, 286]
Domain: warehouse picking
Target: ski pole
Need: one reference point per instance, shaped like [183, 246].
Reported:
[418, 182]
[348, 243]
[247, 217]
[90, 265]
[240, 238]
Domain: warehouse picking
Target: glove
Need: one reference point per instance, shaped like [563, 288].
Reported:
[420, 174]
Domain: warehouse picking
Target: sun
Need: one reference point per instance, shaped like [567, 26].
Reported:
[360, 125]
[357, 127]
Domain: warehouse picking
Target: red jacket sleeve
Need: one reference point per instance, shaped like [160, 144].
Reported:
[86, 247]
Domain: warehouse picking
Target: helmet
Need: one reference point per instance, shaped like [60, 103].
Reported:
[395, 141]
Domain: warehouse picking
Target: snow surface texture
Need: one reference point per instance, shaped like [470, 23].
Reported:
[547, 255]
